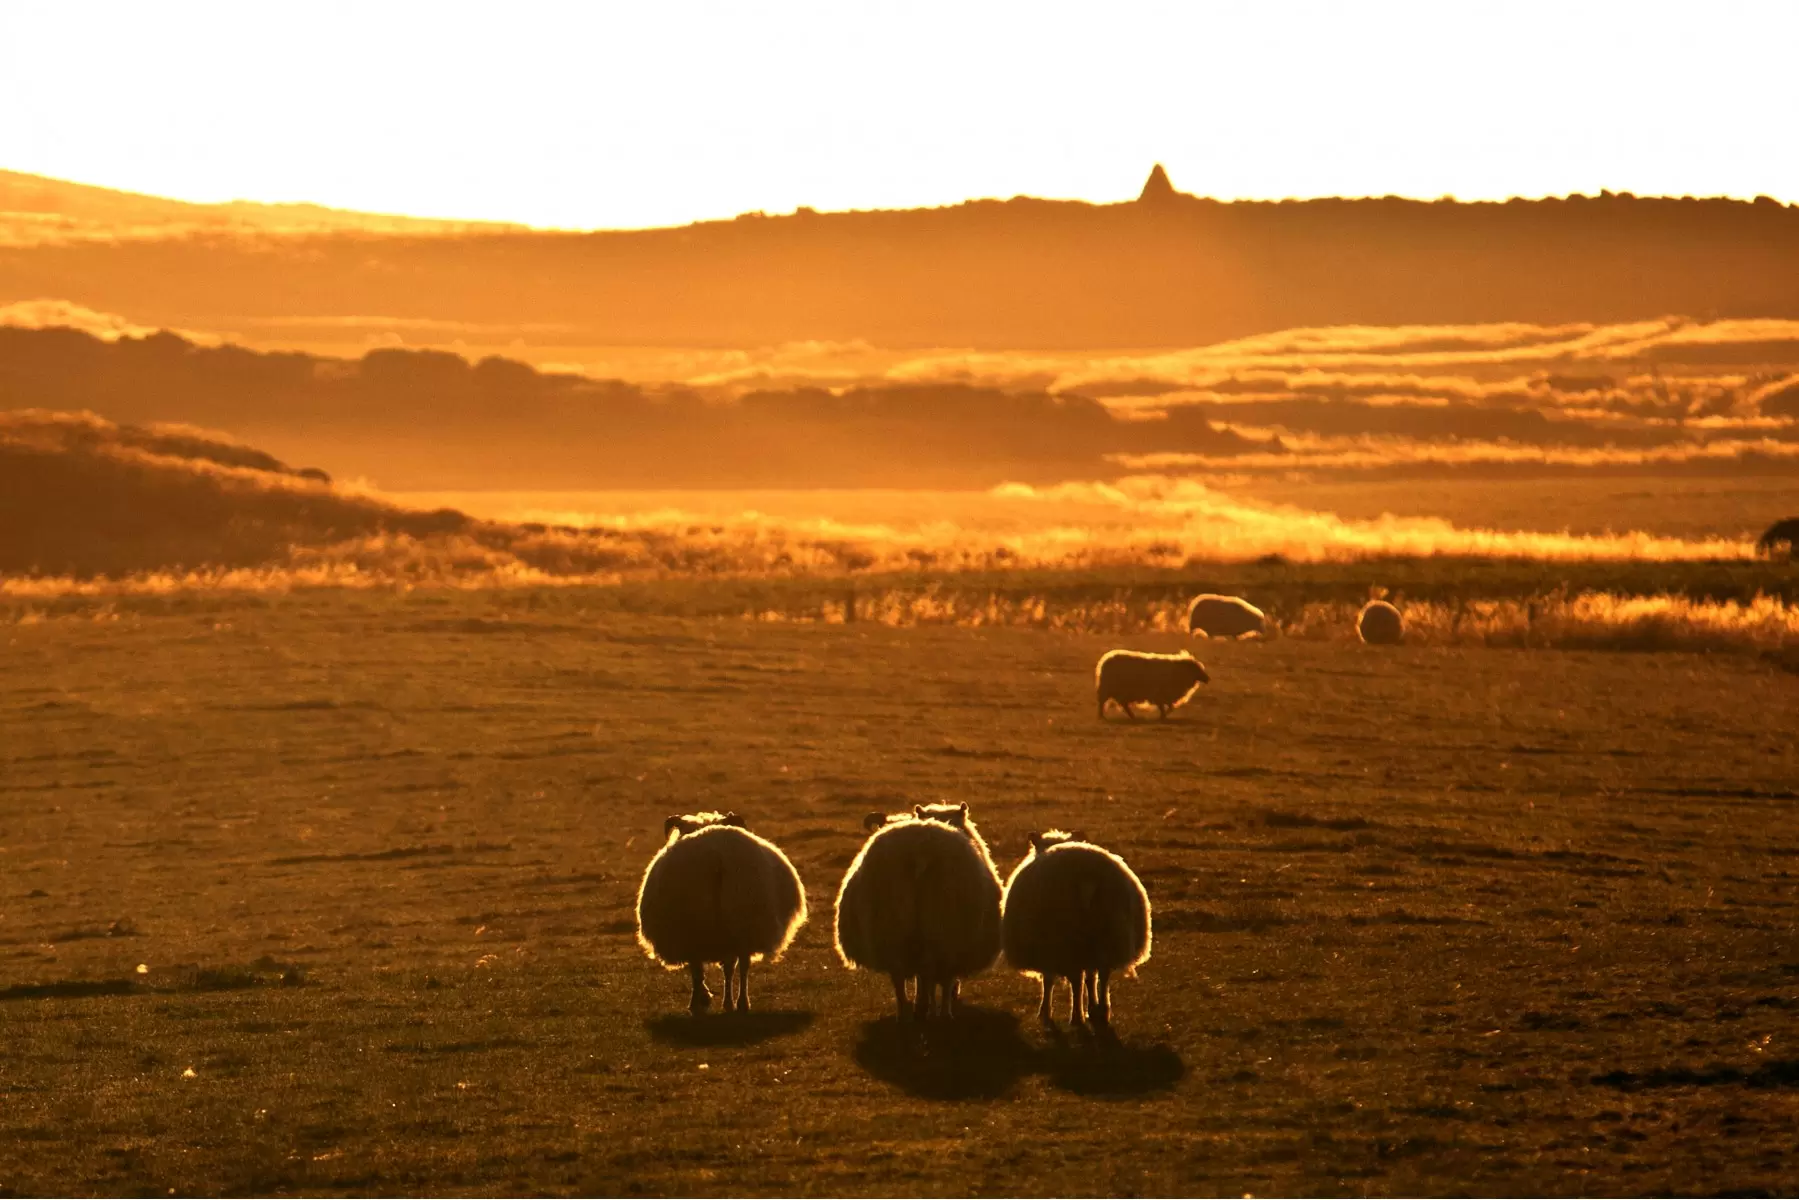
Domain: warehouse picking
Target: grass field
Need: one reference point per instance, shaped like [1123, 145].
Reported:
[1432, 919]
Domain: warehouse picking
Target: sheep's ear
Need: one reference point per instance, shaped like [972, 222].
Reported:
[918, 811]
[732, 818]
[874, 821]
[670, 825]
[1037, 842]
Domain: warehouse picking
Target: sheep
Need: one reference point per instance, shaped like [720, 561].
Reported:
[1784, 532]
[1135, 677]
[717, 893]
[1379, 624]
[921, 901]
[1074, 911]
[1225, 617]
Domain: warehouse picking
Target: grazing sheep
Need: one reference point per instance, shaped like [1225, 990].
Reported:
[717, 893]
[1135, 677]
[1225, 617]
[1074, 911]
[1781, 533]
[922, 902]
[1379, 624]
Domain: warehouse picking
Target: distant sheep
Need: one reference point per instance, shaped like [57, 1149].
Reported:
[717, 893]
[1783, 533]
[921, 901]
[1074, 911]
[1225, 617]
[1130, 677]
[1380, 624]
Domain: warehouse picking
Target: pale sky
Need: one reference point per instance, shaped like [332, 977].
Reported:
[656, 113]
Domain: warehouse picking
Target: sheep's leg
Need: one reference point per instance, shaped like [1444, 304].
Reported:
[1163, 709]
[899, 994]
[952, 996]
[1128, 711]
[1049, 982]
[927, 991]
[1075, 1014]
[743, 984]
[702, 998]
[1102, 999]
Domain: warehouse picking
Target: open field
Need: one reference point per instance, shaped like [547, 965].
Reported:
[1431, 919]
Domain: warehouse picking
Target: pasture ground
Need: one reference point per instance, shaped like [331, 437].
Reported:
[1427, 920]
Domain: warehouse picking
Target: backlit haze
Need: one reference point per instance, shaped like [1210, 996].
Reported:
[639, 115]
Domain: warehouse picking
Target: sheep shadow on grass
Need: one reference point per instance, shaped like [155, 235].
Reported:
[979, 1055]
[1097, 1063]
[728, 1029]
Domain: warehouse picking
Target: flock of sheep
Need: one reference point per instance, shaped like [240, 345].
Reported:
[922, 903]
[1131, 677]
[1378, 624]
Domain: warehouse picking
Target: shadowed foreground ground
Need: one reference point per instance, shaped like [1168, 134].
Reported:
[1427, 920]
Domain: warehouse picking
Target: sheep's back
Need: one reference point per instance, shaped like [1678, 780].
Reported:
[1379, 624]
[1225, 616]
[1075, 908]
[920, 898]
[717, 894]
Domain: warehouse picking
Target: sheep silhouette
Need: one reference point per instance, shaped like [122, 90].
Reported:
[1783, 534]
[716, 892]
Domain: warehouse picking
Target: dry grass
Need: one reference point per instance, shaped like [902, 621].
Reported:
[1723, 609]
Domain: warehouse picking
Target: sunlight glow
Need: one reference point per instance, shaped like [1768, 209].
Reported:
[617, 115]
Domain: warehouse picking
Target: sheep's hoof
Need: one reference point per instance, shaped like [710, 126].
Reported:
[743, 1006]
[700, 1003]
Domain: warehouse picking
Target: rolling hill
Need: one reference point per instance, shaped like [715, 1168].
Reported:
[1169, 270]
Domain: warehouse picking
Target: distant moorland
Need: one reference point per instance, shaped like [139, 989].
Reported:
[1168, 271]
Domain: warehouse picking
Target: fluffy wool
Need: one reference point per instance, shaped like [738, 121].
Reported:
[717, 893]
[1077, 912]
[921, 901]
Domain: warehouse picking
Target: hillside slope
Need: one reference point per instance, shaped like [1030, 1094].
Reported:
[36, 208]
[80, 495]
[1018, 274]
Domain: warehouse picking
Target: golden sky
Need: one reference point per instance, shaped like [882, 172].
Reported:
[636, 114]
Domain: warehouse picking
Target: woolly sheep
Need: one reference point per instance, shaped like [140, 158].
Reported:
[717, 893]
[1784, 532]
[1136, 677]
[1074, 911]
[1380, 624]
[1225, 617]
[921, 901]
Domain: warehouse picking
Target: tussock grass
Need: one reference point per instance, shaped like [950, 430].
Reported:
[1558, 620]
[1726, 613]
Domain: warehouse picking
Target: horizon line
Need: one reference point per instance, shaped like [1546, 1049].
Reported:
[501, 224]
